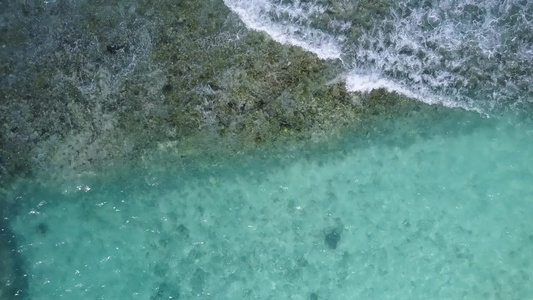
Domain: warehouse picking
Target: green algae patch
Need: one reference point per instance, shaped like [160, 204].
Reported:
[247, 90]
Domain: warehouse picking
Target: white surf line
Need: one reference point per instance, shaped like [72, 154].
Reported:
[366, 83]
[253, 15]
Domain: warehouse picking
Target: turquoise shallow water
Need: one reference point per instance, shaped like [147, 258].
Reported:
[410, 208]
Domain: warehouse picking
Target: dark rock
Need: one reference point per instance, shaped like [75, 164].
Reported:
[113, 49]
[42, 228]
[313, 296]
[167, 89]
[183, 230]
[332, 239]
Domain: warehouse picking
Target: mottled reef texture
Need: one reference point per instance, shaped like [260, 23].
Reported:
[87, 83]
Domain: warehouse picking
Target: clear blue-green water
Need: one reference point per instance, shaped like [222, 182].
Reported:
[410, 208]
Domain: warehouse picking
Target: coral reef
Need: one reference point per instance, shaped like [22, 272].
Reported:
[184, 77]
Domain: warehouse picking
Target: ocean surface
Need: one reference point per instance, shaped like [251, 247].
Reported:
[415, 209]
[431, 204]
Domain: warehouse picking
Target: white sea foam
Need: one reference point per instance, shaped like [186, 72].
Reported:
[366, 82]
[294, 30]
[453, 54]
